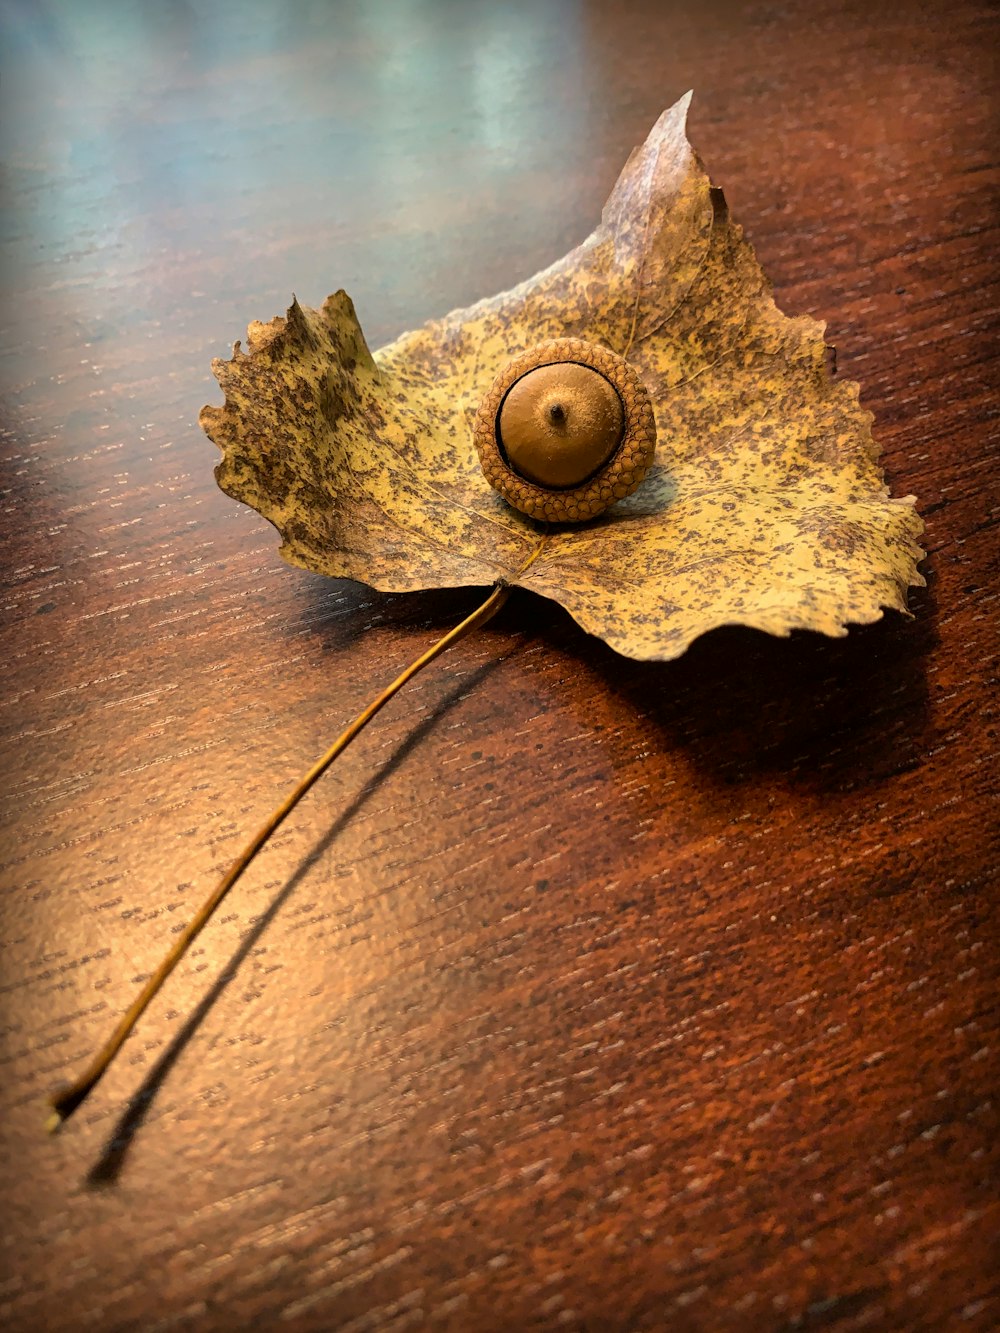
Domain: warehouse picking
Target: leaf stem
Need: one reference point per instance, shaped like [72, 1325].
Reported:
[67, 1099]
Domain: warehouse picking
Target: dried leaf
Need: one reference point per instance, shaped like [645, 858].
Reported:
[765, 505]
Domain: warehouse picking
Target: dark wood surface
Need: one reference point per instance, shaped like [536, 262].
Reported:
[581, 994]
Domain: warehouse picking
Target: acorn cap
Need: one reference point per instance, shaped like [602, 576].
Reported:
[565, 430]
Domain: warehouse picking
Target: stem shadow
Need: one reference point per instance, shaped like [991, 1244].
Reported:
[108, 1167]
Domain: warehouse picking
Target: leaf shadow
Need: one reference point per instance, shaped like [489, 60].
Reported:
[747, 707]
[107, 1169]
[740, 705]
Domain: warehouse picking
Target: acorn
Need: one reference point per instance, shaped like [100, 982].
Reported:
[565, 430]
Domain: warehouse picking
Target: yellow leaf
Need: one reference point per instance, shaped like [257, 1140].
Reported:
[765, 505]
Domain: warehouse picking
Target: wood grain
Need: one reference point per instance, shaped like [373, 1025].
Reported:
[581, 994]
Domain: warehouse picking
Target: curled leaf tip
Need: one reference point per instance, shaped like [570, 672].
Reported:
[765, 505]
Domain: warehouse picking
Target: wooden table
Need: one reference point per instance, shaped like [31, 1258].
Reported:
[581, 994]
